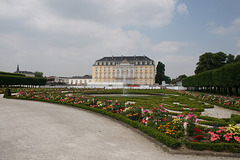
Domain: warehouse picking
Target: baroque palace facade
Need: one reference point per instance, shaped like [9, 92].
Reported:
[131, 70]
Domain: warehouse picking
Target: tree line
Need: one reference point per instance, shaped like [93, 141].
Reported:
[222, 80]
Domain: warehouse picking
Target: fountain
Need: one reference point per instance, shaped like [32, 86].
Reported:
[124, 84]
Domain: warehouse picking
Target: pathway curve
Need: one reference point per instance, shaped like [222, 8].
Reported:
[44, 131]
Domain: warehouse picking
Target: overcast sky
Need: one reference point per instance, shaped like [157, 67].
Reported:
[65, 37]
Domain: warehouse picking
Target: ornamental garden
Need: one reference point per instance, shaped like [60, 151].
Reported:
[174, 118]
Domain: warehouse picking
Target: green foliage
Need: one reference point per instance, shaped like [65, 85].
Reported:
[11, 74]
[210, 61]
[160, 76]
[226, 76]
[219, 147]
[21, 80]
[38, 74]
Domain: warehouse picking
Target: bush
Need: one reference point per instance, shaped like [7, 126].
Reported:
[219, 147]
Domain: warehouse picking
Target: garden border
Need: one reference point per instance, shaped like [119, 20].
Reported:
[183, 150]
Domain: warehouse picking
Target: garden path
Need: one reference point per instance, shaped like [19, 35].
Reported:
[44, 131]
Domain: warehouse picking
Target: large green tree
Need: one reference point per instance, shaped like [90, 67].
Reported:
[210, 61]
[160, 76]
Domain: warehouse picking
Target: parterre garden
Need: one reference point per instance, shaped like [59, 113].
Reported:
[173, 119]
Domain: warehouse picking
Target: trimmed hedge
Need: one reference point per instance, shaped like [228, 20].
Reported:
[227, 76]
[219, 147]
[11, 74]
[21, 80]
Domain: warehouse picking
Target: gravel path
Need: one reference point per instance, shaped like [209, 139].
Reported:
[219, 112]
[42, 131]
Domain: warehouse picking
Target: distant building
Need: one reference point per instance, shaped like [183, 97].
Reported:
[132, 70]
[26, 73]
[78, 80]
[75, 80]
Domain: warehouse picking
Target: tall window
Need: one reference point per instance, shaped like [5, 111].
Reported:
[140, 75]
[140, 68]
[145, 74]
[145, 69]
[96, 68]
[100, 68]
[150, 69]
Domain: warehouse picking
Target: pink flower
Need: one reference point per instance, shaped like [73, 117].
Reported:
[237, 139]
[155, 120]
[219, 131]
[228, 136]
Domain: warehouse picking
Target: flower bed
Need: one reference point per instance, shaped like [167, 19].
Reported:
[231, 102]
[157, 122]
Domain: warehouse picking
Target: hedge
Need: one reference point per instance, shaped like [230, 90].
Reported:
[11, 74]
[21, 80]
[227, 76]
[219, 147]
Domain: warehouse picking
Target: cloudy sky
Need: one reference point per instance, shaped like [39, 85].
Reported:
[65, 37]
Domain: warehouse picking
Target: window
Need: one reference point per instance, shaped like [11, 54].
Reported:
[108, 75]
[100, 68]
[145, 81]
[108, 68]
[100, 75]
[136, 74]
[140, 81]
[140, 75]
[150, 81]
[145, 74]
[113, 69]
[150, 75]
[140, 68]
[145, 69]
[150, 69]
[96, 68]
[136, 68]
[96, 76]
[113, 75]
[76, 82]
[136, 82]
[104, 75]
[104, 68]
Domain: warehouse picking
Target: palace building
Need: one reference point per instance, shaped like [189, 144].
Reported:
[131, 70]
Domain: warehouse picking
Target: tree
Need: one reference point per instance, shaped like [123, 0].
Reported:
[160, 76]
[38, 74]
[179, 78]
[237, 59]
[230, 59]
[210, 61]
